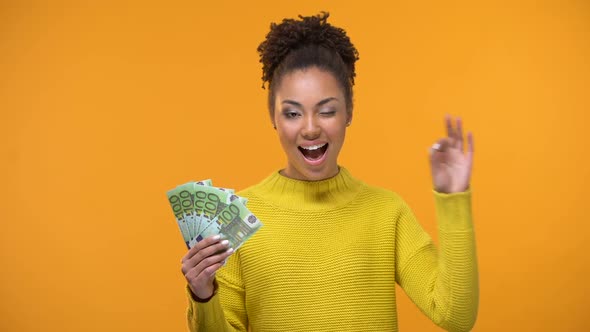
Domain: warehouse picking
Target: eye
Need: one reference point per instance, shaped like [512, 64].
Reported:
[290, 114]
[328, 113]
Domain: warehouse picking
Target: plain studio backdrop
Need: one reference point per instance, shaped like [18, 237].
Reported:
[107, 105]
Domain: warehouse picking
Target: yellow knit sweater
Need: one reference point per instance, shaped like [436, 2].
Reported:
[329, 255]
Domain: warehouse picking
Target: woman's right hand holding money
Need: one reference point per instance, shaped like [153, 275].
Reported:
[201, 263]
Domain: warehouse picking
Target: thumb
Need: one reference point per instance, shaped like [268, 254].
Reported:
[441, 145]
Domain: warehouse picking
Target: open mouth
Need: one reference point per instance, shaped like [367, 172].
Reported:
[314, 152]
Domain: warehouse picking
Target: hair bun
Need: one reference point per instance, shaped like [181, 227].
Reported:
[292, 34]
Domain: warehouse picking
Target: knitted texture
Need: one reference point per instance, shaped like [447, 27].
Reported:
[329, 255]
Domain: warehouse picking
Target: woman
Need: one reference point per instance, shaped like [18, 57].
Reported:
[332, 247]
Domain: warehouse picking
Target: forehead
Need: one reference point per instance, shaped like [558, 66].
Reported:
[309, 84]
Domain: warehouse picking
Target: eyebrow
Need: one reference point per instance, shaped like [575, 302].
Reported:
[322, 102]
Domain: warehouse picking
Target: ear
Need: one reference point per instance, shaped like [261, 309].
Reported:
[349, 118]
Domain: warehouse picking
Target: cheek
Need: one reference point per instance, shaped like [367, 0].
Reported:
[286, 134]
[337, 134]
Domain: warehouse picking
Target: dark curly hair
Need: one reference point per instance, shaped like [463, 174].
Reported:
[308, 42]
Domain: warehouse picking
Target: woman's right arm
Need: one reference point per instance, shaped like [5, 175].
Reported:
[199, 267]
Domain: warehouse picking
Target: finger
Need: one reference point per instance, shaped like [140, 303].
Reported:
[200, 245]
[470, 146]
[209, 251]
[459, 134]
[449, 124]
[190, 263]
[211, 260]
[197, 276]
[441, 145]
[209, 272]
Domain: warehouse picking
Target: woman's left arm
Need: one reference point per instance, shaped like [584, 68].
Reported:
[444, 282]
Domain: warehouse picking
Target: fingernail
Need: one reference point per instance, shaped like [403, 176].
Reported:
[230, 250]
[216, 237]
[225, 242]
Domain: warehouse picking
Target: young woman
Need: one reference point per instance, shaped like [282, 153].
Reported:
[332, 247]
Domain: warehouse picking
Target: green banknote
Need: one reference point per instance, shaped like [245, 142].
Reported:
[196, 205]
[235, 223]
[206, 183]
[208, 202]
[181, 201]
[194, 219]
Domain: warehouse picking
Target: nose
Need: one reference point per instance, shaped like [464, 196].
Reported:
[311, 129]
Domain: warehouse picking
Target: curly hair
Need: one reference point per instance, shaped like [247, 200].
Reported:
[307, 42]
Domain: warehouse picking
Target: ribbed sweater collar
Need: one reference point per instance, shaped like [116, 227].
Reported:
[328, 194]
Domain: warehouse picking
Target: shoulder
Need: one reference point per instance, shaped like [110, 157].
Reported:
[383, 202]
[380, 193]
[249, 192]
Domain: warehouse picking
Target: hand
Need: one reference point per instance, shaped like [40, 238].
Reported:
[449, 165]
[201, 263]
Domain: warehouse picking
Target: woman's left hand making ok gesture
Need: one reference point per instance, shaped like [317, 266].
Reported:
[450, 165]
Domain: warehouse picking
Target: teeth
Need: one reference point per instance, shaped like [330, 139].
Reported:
[313, 147]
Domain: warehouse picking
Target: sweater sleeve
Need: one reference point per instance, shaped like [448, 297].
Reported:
[225, 311]
[442, 283]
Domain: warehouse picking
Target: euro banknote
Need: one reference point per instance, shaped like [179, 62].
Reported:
[235, 223]
[197, 207]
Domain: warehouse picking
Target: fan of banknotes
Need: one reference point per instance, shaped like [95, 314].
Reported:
[202, 210]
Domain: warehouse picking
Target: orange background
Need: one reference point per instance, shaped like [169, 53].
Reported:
[106, 106]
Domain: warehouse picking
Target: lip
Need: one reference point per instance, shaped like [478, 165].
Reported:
[317, 161]
[312, 143]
